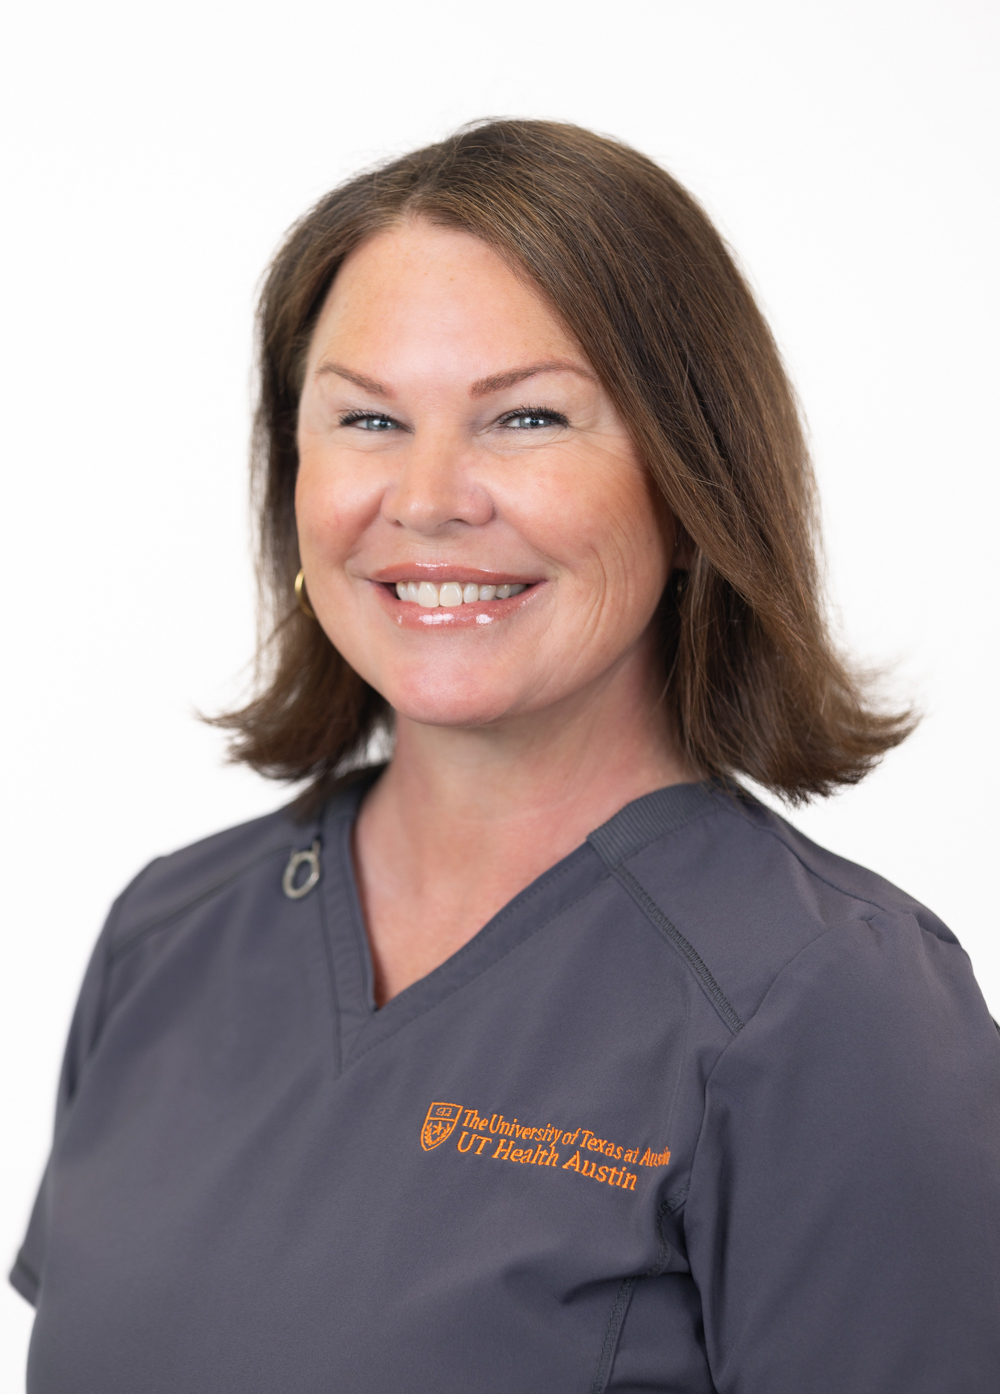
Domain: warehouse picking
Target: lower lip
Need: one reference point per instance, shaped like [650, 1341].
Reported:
[480, 615]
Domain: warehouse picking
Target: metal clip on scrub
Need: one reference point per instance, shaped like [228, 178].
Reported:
[310, 859]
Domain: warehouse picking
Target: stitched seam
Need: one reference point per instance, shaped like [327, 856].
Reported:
[325, 931]
[107, 959]
[673, 1203]
[683, 1045]
[726, 1049]
[102, 998]
[818, 875]
[159, 921]
[664, 1254]
[351, 894]
[831, 929]
[485, 934]
[624, 1297]
[732, 1043]
[433, 1006]
[686, 950]
[654, 837]
[611, 1335]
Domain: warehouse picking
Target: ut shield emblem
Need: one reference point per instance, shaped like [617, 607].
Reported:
[439, 1125]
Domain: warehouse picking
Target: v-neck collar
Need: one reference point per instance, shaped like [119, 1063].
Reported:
[360, 1025]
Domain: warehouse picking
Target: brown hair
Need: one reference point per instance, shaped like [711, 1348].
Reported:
[643, 280]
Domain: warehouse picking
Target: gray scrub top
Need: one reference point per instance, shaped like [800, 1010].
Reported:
[704, 1108]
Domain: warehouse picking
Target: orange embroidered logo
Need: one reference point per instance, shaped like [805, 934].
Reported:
[439, 1125]
[498, 1137]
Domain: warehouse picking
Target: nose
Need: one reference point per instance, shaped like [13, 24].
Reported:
[435, 488]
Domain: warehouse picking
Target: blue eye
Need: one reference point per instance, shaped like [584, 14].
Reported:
[532, 419]
[368, 421]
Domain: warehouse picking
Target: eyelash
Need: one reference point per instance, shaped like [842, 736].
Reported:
[554, 418]
[350, 417]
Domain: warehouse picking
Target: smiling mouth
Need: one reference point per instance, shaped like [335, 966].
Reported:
[451, 594]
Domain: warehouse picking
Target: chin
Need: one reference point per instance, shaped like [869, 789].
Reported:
[448, 703]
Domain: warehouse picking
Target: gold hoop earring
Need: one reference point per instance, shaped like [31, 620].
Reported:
[302, 595]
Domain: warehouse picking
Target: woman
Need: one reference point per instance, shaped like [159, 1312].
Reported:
[702, 1107]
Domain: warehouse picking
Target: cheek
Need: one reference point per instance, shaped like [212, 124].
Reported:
[600, 522]
[333, 505]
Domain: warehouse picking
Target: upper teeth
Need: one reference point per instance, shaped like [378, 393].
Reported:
[452, 593]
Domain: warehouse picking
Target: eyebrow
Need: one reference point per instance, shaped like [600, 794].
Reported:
[359, 379]
[499, 381]
[483, 387]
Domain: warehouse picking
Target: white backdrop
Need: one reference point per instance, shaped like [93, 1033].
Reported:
[156, 155]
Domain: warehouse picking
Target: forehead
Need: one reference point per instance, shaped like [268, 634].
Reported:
[418, 282]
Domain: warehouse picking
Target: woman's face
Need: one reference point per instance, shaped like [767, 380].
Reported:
[454, 442]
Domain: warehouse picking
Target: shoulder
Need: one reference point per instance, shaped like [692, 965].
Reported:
[171, 885]
[750, 894]
[223, 880]
[803, 881]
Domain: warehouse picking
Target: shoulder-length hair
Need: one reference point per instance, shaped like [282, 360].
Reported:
[752, 682]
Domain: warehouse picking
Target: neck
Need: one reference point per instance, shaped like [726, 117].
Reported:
[464, 796]
[464, 819]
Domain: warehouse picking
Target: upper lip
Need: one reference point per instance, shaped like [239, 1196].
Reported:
[438, 574]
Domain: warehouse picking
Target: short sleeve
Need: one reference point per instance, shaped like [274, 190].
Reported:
[85, 1028]
[843, 1218]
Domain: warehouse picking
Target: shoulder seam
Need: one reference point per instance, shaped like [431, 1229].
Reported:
[115, 951]
[841, 890]
[106, 951]
[648, 819]
[683, 947]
